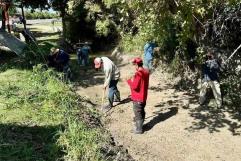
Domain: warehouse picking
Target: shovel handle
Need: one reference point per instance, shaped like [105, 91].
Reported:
[103, 97]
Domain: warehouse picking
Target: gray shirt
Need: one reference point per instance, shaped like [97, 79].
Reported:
[111, 71]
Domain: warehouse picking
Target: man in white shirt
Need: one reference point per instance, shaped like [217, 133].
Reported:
[112, 76]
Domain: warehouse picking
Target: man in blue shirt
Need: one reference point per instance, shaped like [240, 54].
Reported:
[148, 55]
[83, 54]
[210, 70]
[59, 59]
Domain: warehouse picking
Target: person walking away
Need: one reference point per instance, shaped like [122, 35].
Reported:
[84, 54]
[210, 70]
[79, 56]
[139, 89]
[112, 76]
[148, 55]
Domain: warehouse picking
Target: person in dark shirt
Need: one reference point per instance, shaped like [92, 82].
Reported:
[58, 59]
[210, 70]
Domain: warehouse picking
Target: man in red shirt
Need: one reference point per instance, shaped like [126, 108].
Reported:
[139, 88]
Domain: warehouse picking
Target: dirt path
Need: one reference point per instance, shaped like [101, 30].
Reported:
[173, 131]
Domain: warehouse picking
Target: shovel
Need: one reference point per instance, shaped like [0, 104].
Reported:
[102, 103]
[103, 98]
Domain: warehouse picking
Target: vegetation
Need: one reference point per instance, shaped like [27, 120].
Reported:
[184, 30]
[42, 118]
[40, 15]
[45, 115]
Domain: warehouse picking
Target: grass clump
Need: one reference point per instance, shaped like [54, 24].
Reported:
[41, 118]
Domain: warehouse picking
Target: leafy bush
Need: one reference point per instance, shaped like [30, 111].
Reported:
[222, 36]
[40, 15]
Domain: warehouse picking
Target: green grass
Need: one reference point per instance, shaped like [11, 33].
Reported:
[41, 119]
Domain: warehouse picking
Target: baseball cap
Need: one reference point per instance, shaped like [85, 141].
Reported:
[137, 61]
[97, 62]
[54, 50]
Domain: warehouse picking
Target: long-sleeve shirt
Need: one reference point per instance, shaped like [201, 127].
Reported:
[139, 85]
[111, 71]
[148, 50]
[85, 50]
[210, 70]
[62, 58]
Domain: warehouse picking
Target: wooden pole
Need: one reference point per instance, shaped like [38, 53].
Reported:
[233, 53]
[103, 97]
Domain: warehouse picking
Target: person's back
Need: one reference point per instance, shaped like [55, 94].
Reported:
[148, 50]
[51, 60]
[111, 68]
[62, 57]
[148, 55]
[85, 50]
[62, 61]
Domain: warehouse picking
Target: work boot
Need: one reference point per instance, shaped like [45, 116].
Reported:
[138, 129]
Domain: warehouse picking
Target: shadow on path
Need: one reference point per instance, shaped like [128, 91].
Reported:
[22, 143]
[124, 101]
[159, 117]
[213, 119]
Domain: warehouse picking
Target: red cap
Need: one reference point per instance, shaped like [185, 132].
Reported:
[137, 61]
[97, 62]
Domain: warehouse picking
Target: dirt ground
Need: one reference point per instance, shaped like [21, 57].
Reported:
[176, 127]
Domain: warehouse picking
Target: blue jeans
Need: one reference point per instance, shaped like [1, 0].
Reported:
[113, 91]
[79, 59]
[148, 64]
[83, 60]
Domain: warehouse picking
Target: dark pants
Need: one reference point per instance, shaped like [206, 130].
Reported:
[148, 64]
[79, 58]
[139, 110]
[83, 59]
[113, 91]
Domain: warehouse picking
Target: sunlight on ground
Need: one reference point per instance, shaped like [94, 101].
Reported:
[46, 31]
